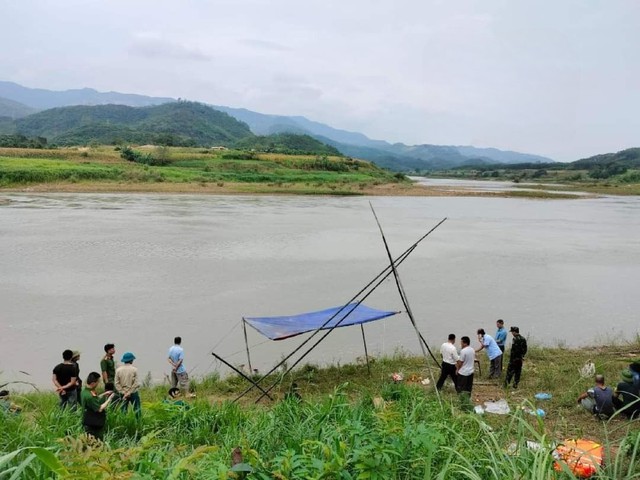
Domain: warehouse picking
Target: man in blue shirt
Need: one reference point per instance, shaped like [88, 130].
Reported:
[501, 335]
[493, 352]
[179, 375]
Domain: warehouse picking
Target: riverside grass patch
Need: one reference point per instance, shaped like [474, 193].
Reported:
[367, 427]
[332, 437]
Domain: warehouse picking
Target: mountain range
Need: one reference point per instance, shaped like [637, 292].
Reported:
[19, 102]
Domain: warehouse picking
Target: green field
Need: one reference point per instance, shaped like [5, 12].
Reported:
[188, 166]
[348, 425]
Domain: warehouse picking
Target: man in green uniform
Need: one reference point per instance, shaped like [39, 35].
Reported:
[108, 364]
[94, 405]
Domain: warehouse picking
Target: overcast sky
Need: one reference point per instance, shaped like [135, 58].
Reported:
[556, 78]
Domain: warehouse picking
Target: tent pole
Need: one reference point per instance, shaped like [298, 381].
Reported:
[403, 296]
[381, 277]
[242, 374]
[246, 343]
[366, 353]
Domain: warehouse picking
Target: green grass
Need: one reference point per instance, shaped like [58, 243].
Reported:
[340, 428]
[20, 167]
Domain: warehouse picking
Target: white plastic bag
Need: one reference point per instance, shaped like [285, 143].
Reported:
[501, 407]
[588, 369]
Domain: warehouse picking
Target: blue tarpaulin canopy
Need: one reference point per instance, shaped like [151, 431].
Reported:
[278, 328]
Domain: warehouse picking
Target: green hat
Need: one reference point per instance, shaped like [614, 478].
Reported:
[626, 375]
[128, 357]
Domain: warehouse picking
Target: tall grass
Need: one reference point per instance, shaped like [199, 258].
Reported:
[334, 436]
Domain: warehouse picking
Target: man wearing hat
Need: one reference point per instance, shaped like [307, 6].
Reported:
[127, 383]
[626, 397]
[518, 351]
[75, 359]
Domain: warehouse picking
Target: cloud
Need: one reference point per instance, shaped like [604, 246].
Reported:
[151, 45]
[264, 45]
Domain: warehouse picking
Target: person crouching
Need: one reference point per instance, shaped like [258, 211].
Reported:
[94, 406]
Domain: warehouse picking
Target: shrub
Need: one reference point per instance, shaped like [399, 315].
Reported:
[145, 158]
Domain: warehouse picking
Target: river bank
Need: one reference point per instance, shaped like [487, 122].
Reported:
[347, 421]
[202, 171]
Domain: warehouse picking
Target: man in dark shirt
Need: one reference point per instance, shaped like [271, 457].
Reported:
[518, 351]
[64, 379]
[626, 396]
[598, 400]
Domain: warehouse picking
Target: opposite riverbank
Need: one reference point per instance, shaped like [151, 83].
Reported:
[149, 169]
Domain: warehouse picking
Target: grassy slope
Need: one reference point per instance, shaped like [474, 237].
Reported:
[188, 167]
[194, 170]
[337, 431]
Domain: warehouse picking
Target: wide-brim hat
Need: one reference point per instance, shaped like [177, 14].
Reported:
[76, 354]
[128, 357]
[626, 375]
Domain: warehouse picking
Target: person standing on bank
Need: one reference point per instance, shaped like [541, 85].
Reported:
[179, 375]
[127, 383]
[501, 335]
[465, 367]
[493, 352]
[108, 364]
[94, 417]
[449, 361]
[75, 359]
[518, 351]
[64, 379]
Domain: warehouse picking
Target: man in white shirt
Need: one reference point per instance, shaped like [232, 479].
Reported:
[466, 367]
[449, 361]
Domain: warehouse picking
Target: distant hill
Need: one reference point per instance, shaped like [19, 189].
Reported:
[629, 158]
[177, 123]
[398, 156]
[287, 143]
[40, 99]
[13, 109]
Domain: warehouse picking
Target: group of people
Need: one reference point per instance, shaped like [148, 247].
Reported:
[121, 384]
[603, 401]
[460, 366]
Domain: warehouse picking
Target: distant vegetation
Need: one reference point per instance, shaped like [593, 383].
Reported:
[176, 124]
[608, 173]
[287, 143]
[20, 141]
[172, 124]
[188, 169]
[397, 157]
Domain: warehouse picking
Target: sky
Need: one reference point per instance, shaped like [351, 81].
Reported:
[555, 78]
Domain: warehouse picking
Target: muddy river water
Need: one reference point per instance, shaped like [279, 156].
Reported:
[80, 270]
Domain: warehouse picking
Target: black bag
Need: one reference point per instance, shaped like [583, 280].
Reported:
[94, 419]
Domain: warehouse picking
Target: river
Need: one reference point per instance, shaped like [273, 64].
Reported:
[81, 270]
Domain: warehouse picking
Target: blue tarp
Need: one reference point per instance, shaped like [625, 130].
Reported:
[278, 328]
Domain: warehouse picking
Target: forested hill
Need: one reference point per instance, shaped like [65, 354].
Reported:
[176, 123]
[629, 158]
[287, 143]
[12, 109]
